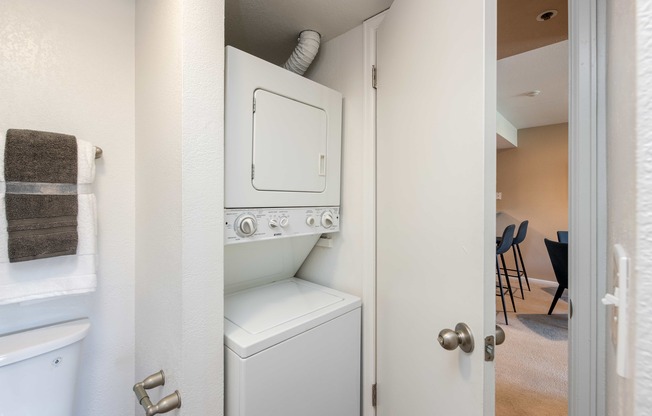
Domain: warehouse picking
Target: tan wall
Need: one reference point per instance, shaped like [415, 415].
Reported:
[533, 179]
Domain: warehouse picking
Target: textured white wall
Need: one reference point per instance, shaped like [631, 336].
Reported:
[202, 207]
[339, 66]
[621, 148]
[68, 66]
[158, 191]
[629, 132]
[643, 272]
[179, 208]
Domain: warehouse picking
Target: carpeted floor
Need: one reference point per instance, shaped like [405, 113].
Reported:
[532, 363]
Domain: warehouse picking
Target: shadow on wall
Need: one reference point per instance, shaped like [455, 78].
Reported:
[533, 248]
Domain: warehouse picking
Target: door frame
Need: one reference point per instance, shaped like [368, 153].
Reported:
[587, 193]
[369, 208]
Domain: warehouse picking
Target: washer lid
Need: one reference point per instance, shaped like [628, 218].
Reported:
[262, 308]
[263, 316]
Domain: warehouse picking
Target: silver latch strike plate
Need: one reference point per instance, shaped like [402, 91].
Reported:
[489, 348]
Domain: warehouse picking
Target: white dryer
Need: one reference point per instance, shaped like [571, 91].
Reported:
[283, 136]
[292, 349]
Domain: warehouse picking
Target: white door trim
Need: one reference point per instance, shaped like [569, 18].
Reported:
[369, 226]
[587, 208]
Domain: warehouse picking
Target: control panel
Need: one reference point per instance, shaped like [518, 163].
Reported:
[243, 225]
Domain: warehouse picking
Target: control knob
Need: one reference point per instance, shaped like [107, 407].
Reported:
[284, 222]
[327, 219]
[310, 221]
[245, 225]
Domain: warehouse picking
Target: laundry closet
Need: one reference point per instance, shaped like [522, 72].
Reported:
[418, 157]
[329, 258]
[292, 347]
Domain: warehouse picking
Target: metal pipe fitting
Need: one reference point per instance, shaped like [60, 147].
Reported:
[170, 402]
[155, 380]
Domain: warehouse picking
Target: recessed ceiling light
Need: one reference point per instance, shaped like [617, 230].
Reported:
[533, 93]
[547, 15]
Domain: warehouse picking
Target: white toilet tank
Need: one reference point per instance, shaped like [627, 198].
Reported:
[38, 369]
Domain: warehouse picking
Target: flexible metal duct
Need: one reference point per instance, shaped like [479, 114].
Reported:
[304, 53]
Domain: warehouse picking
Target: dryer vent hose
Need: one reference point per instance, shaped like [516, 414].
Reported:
[304, 53]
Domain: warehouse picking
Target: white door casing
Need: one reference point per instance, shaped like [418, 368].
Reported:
[435, 205]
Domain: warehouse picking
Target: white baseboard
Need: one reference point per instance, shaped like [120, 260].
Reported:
[542, 281]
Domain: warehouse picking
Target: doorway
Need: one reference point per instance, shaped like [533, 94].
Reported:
[532, 194]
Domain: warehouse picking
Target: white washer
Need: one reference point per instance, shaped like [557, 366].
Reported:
[292, 349]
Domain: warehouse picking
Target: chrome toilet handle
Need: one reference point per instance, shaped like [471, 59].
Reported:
[166, 404]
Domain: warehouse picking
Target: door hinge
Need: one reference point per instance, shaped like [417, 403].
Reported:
[374, 80]
[373, 395]
[253, 171]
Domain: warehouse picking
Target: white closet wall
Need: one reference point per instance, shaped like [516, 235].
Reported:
[339, 65]
[179, 199]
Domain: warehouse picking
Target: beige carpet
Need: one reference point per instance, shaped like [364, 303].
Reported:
[532, 363]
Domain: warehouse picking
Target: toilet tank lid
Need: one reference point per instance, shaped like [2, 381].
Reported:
[26, 344]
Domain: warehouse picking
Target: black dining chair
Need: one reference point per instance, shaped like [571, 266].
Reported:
[558, 253]
[501, 248]
[562, 236]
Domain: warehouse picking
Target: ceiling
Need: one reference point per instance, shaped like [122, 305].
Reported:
[543, 69]
[519, 31]
[269, 29]
[532, 55]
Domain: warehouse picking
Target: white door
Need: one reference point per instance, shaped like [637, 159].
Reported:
[435, 205]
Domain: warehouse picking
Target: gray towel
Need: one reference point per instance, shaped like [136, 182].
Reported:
[37, 156]
[42, 221]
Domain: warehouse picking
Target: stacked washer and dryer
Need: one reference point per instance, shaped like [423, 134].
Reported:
[292, 347]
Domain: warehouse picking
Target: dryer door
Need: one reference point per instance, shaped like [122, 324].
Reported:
[289, 144]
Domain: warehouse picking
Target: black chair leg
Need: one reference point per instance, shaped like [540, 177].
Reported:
[509, 285]
[558, 293]
[502, 291]
[518, 273]
[518, 247]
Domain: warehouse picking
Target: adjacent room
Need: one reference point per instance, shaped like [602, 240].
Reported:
[532, 198]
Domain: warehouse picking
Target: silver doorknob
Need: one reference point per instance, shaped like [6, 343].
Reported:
[500, 335]
[461, 337]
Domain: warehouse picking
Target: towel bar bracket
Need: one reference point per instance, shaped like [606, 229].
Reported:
[98, 152]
